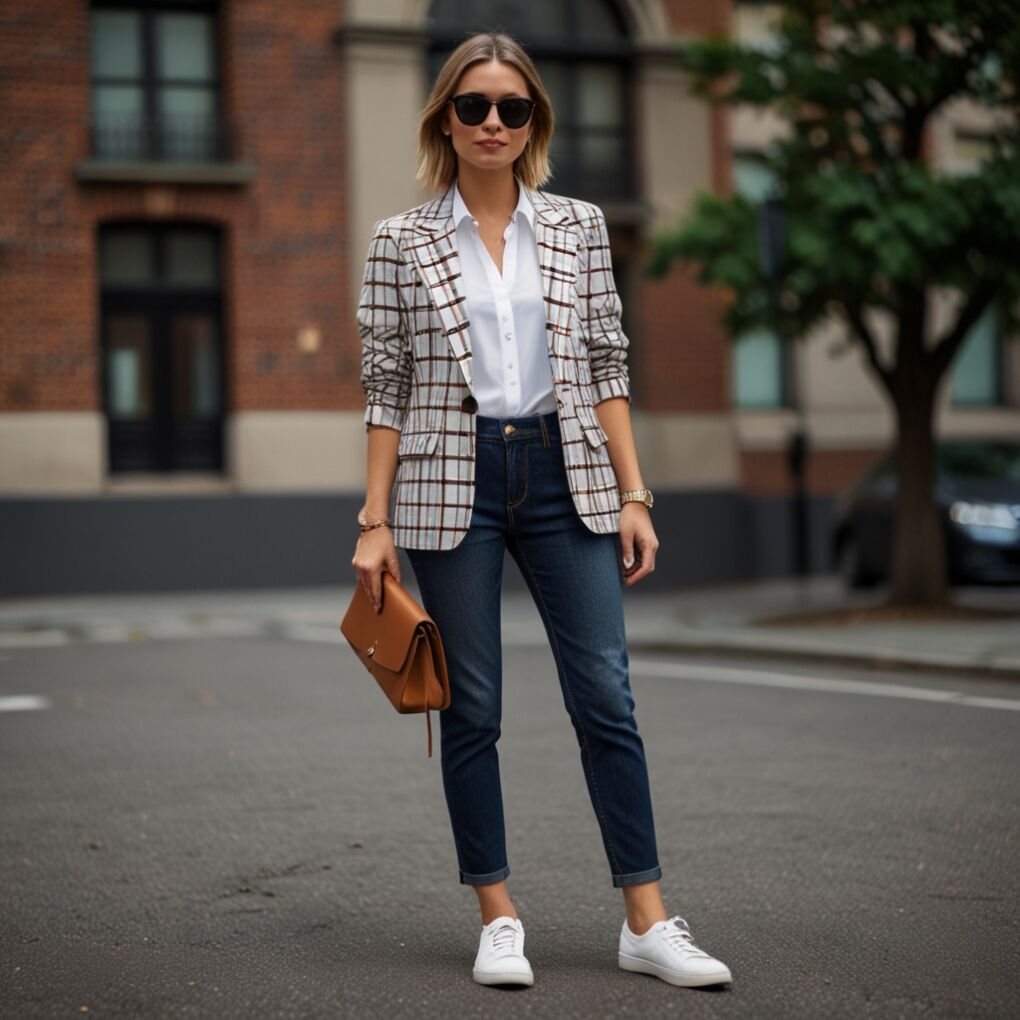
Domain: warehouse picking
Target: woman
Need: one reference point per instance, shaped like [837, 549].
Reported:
[497, 390]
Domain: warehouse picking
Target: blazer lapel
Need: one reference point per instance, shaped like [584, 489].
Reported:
[436, 257]
[557, 260]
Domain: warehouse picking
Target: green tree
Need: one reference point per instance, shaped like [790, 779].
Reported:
[873, 229]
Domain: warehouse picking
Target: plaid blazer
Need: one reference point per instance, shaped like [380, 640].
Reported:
[416, 360]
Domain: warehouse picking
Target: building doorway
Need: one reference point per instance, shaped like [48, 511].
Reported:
[162, 350]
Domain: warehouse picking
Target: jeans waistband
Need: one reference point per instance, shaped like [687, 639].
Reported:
[529, 427]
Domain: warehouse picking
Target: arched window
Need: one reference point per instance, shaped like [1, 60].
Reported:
[583, 54]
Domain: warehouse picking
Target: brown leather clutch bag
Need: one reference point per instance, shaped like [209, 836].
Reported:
[401, 647]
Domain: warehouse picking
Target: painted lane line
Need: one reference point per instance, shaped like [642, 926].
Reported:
[311, 632]
[23, 703]
[226, 626]
[765, 678]
[33, 638]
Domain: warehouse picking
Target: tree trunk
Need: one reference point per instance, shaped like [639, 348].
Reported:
[919, 556]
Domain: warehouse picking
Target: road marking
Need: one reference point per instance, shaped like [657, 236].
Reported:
[110, 632]
[230, 626]
[33, 638]
[310, 632]
[764, 678]
[23, 703]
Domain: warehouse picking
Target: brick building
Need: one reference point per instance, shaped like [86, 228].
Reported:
[187, 198]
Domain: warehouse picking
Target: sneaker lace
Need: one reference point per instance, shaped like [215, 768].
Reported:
[504, 936]
[677, 934]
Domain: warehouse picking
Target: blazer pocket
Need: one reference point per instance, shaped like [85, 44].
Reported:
[417, 444]
[591, 426]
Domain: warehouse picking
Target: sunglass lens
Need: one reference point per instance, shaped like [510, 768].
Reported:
[471, 110]
[514, 112]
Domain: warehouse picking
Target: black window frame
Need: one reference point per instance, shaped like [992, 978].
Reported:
[1001, 396]
[788, 393]
[159, 300]
[152, 145]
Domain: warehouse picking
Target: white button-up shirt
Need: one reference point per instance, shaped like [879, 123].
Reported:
[509, 350]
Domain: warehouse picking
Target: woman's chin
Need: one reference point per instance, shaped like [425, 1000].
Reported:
[488, 160]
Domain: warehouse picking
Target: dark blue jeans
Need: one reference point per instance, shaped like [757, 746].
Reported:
[523, 504]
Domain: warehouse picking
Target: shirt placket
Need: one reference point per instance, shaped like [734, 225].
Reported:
[501, 287]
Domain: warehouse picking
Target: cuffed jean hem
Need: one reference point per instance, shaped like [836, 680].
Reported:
[493, 876]
[636, 877]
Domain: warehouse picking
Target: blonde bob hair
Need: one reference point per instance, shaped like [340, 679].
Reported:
[437, 159]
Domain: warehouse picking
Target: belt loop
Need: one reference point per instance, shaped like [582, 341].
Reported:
[545, 430]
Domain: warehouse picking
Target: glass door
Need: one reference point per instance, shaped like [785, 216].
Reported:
[162, 348]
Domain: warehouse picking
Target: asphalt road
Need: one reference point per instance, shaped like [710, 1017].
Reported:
[240, 825]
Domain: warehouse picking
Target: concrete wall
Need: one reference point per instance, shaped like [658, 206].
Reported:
[136, 542]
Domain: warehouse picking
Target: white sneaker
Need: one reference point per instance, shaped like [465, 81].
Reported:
[667, 950]
[500, 959]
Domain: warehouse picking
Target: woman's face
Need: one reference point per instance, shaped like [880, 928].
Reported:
[494, 80]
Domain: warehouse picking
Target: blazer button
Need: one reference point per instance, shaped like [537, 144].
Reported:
[469, 404]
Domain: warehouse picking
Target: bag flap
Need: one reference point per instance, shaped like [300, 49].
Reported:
[386, 637]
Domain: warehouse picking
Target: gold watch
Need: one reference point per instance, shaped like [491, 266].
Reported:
[637, 496]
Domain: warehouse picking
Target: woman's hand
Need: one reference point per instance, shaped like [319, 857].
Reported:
[374, 553]
[637, 541]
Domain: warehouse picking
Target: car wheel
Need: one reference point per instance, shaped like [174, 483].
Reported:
[849, 565]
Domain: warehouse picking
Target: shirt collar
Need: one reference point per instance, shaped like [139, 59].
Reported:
[524, 206]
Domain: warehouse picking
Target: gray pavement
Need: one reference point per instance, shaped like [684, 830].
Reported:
[213, 812]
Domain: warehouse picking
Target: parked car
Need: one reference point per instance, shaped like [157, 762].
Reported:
[977, 489]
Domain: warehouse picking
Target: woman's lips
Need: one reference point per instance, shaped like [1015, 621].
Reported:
[491, 145]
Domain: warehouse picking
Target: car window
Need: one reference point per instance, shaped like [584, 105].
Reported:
[980, 460]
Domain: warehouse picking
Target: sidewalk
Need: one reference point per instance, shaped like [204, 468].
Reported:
[718, 620]
[732, 620]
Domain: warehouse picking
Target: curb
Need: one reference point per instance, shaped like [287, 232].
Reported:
[878, 663]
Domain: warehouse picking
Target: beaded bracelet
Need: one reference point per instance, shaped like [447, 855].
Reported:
[378, 524]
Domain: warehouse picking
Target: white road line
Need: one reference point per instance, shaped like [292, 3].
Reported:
[23, 703]
[33, 638]
[227, 626]
[310, 632]
[764, 678]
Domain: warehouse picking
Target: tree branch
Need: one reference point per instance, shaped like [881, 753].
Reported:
[855, 316]
[945, 349]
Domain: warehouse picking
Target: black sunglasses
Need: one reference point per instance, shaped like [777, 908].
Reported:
[473, 109]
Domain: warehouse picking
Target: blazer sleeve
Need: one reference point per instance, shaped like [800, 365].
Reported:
[607, 343]
[386, 365]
